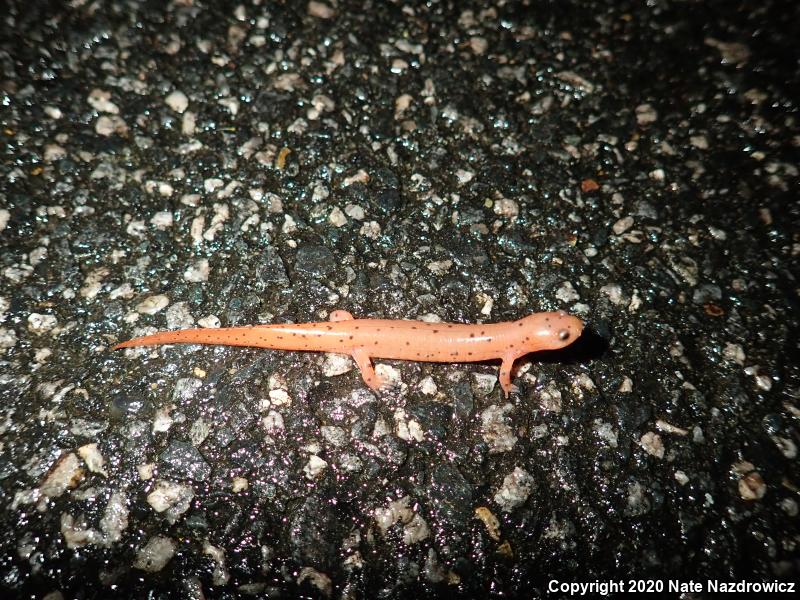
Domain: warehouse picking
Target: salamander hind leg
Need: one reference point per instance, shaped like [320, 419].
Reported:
[341, 315]
[364, 362]
[505, 375]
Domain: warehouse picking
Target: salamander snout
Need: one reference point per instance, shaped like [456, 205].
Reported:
[554, 330]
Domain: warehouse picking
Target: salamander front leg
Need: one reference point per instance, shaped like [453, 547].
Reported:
[364, 363]
[341, 315]
[505, 375]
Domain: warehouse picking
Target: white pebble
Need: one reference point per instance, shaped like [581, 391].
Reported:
[752, 486]
[107, 126]
[212, 184]
[177, 101]
[162, 421]
[162, 220]
[179, 317]
[516, 488]
[136, 228]
[652, 444]
[146, 471]
[320, 10]
[464, 176]
[152, 304]
[666, 427]
[38, 323]
[428, 386]
[155, 555]
[645, 114]
[506, 208]
[389, 375]
[198, 272]
[370, 230]
[614, 293]
[232, 104]
[336, 364]
[314, 467]
[764, 382]
[483, 383]
[188, 123]
[567, 293]
[93, 459]
[53, 112]
[622, 225]
[787, 446]
[100, 100]
[123, 291]
[8, 338]
[211, 321]
[354, 212]
[478, 45]
[273, 422]
[337, 218]
[66, 475]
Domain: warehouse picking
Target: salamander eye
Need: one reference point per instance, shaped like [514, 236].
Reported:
[563, 335]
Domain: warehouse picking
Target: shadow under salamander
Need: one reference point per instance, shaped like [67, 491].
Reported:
[590, 346]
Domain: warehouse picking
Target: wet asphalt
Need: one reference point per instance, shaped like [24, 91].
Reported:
[184, 164]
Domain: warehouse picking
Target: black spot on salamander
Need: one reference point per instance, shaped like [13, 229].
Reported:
[435, 331]
[520, 323]
[408, 343]
[469, 353]
[483, 332]
[471, 335]
[328, 327]
[351, 337]
[376, 342]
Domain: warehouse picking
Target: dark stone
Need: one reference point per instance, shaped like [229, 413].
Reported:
[314, 260]
[183, 461]
[270, 270]
[312, 533]
[450, 495]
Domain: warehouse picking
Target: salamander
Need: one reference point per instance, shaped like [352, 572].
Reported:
[365, 339]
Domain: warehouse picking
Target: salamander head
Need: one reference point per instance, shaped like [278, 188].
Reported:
[552, 330]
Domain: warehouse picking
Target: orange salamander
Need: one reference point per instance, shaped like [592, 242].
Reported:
[365, 339]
